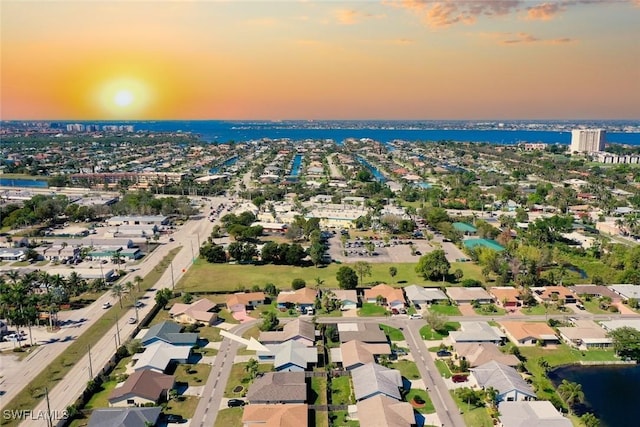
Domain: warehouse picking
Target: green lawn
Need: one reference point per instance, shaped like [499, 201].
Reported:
[239, 377]
[341, 391]
[484, 311]
[447, 310]
[429, 334]
[340, 419]
[443, 368]
[393, 333]
[476, 417]
[203, 276]
[185, 406]
[319, 387]
[196, 376]
[99, 399]
[540, 310]
[593, 306]
[321, 418]
[229, 417]
[407, 369]
[372, 310]
[428, 407]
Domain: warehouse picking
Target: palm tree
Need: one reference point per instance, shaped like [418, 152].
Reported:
[571, 393]
[129, 287]
[138, 280]
[117, 290]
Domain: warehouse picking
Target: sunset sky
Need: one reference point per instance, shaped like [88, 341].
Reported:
[394, 59]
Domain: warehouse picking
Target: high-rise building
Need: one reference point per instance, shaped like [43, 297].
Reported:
[587, 140]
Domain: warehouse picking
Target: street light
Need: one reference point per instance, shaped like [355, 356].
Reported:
[173, 283]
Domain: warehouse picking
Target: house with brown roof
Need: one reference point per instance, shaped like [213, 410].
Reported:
[479, 353]
[460, 295]
[200, 311]
[243, 301]
[141, 388]
[353, 354]
[391, 297]
[529, 333]
[298, 329]
[365, 332]
[280, 415]
[595, 291]
[551, 294]
[383, 411]
[278, 387]
[302, 298]
[506, 296]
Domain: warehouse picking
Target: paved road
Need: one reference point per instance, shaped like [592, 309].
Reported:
[207, 409]
[71, 386]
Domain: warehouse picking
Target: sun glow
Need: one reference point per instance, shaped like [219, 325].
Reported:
[124, 97]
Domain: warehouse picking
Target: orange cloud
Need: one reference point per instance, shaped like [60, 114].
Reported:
[545, 11]
[352, 16]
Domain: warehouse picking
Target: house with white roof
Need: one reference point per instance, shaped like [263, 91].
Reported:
[159, 355]
[372, 379]
[505, 380]
[420, 295]
[477, 332]
[531, 413]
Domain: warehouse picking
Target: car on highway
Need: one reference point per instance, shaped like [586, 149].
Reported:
[132, 320]
[106, 305]
[171, 239]
[234, 403]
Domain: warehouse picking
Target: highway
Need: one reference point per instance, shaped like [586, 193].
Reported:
[72, 385]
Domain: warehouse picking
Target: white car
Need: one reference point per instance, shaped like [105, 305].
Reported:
[416, 316]
[106, 305]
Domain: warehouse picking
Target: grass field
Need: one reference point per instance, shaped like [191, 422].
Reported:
[429, 334]
[184, 407]
[239, 377]
[341, 391]
[443, 368]
[407, 369]
[370, 309]
[339, 418]
[229, 417]
[319, 388]
[447, 310]
[476, 417]
[393, 333]
[203, 276]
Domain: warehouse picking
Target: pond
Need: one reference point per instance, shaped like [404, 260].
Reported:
[581, 272]
[610, 392]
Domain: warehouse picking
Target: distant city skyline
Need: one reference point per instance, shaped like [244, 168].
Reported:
[270, 60]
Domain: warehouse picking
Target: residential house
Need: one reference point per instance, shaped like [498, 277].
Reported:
[142, 388]
[353, 354]
[461, 295]
[393, 298]
[383, 411]
[419, 295]
[529, 333]
[291, 356]
[505, 380]
[244, 301]
[612, 325]
[585, 335]
[477, 332]
[298, 330]
[626, 291]
[552, 294]
[302, 299]
[479, 353]
[507, 296]
[365, 332]
[125, 417]
[280, 415]
[372, 379]
[169, 332]
[596, 291]
[347, 297]
[531, 413]
[200, 311]
[159, 355]
[278, 387]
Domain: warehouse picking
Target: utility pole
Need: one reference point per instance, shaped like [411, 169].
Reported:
[118, 331]
[116, 341]
[46, 395]
[173, 283]
[90, 366]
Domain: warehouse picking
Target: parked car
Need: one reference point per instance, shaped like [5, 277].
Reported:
[459, 378]
[106, 305]
[234, 403]
[416, 316]
[15, 337]
[173, 418]
[443, 353]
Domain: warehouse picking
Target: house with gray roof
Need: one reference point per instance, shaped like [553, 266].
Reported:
[159, 355]
[278, 387]
[291, 356]
[169, 332]
[298, 329]
[372, 379]
[477, 332]
[420, 295]
[505, 380]
[611, 325]
[365, 332]
[531, 414]
[626, 291]
[125, 417]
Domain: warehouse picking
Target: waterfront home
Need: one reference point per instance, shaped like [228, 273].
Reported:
[477, 332]
[142, 388]
[125, 417]
[365, 332]
[419, 295]
[200, 311]
[460, 295]
[595, 291]
[278, 415]
[505, 380]
[372, 379]
[298, 330]
[531, 413]
[383, 411]
[529, 333]
[392, 298]
[278, 387]
[159, 355]
[585, 335]
[479, 353]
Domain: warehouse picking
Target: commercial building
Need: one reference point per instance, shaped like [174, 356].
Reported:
[587, 140]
